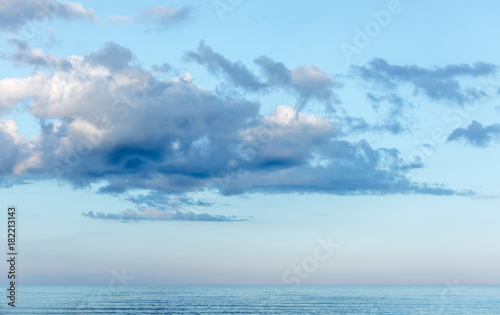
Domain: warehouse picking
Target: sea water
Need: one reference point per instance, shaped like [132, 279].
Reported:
[180, 299]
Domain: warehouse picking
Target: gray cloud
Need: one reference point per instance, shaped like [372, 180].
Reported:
[165, 15]
[306, 82]
[26, 54]
[112, 56]
[106, 120]
[15, 14]
[156, 215]
[438, 84]
[340, 168]
[392, 111]
[235, 72]
[476, 135]
[161, 201]
[161, 16]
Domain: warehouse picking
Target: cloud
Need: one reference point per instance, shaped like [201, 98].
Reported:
[15, 156]
[306, 82]
[338, 167]
[15, 14]
[161, 201]
[163, 68]
[393, 99]
[165, 15]
[162, 16]
[285, 139]
[26, 54]
[392, 111]
[438, 84]
[157, 215]
[105, 120]
[112, 56]
[476, 135]
[236, 72]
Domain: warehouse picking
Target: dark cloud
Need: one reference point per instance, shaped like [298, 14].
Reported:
[476, 135]
[438, 84]
[15, 14]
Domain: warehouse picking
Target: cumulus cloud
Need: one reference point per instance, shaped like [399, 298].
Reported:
[104, 119]
[438, 84]
[15, 14]
[476, 135]
[162, 16]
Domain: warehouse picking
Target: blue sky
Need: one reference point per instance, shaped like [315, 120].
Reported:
[227, 141]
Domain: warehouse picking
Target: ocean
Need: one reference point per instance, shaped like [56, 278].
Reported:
[355, 299]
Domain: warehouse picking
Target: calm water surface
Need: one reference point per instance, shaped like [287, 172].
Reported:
[132, 299]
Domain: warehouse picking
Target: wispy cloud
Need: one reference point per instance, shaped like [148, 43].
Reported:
[161, 17]
[392, 110]
[235, 72]
[159, 215]
[438, 84]
[161, 201]
[14, 14]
